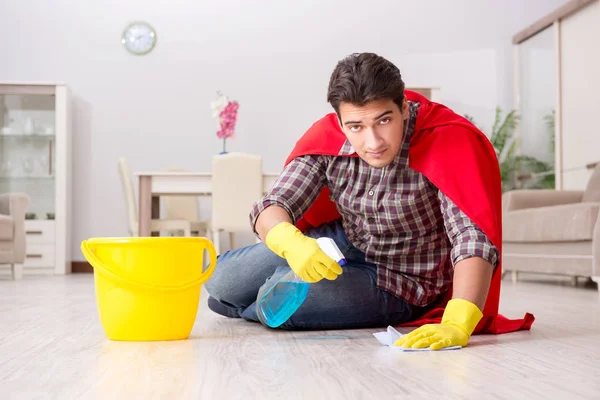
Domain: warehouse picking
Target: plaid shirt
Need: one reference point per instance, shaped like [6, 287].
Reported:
[395, 215]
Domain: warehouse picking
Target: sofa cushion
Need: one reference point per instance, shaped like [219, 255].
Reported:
[562, 223]
[6, 227]
[592, 190]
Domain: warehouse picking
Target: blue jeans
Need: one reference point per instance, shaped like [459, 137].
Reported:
[351, 301]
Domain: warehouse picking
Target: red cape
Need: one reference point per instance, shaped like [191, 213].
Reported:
[454, 155]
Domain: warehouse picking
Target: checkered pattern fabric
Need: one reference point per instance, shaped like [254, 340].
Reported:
[395, 215]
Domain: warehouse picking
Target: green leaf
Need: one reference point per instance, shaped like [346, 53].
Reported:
[504, 131]
[496, 123]
[550, 120]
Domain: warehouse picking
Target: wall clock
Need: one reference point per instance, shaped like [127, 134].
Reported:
[139, 38]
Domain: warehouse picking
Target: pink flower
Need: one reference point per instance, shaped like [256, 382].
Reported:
[228, 117]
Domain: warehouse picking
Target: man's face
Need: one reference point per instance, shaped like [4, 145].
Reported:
[374, 130]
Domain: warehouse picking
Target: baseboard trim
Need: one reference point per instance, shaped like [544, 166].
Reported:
[79, 267]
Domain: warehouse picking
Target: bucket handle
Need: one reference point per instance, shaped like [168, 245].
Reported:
[101, 267]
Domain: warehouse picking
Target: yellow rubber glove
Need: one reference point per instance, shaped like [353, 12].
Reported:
[458, 323]
[302, 253]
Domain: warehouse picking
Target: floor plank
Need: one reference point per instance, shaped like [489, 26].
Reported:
[53, 347]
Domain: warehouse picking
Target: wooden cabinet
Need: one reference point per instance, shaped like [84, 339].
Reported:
[35, 158]
[557, 60]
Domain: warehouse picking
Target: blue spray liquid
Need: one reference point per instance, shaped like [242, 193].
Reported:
[279, 302]
[282, 300]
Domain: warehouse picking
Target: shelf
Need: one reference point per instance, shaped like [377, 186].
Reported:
[27, 178]
[35, 156]
[27, 135]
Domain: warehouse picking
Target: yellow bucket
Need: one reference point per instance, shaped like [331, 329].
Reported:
[148, 288]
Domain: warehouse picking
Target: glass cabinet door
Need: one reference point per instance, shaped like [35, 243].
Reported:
[27, 150]
[537, 93]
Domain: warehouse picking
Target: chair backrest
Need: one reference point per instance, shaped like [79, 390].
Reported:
[237, 182]
[181, 207]
[129, 194]
[591, 194]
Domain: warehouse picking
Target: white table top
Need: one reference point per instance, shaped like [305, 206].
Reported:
[187, 173]
[171, 173]
[189, 182]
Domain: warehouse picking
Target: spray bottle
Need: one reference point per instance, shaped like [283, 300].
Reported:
[279, 302]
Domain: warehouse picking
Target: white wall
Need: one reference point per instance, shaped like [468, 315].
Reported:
[273, 56]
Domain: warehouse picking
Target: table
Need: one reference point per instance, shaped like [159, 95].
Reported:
[180, 183]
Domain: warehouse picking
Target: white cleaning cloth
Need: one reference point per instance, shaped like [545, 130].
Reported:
[389, 337]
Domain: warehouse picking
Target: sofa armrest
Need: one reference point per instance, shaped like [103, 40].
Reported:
[15, 205]
[533, 198]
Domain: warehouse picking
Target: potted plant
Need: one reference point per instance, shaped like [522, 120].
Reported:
[516, 170]
[225, 112]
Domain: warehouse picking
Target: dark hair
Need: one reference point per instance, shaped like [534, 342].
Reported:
[364, 77]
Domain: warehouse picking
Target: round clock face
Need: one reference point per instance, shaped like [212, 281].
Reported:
[139, 38]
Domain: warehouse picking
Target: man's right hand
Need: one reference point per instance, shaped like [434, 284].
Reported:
[302, 253]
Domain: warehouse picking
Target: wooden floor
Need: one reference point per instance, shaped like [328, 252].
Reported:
[52, 347]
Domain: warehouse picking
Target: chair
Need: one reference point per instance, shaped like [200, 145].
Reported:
[185, 208]
[553, 231]
[156, 225]
[236, 185]
[12, 231]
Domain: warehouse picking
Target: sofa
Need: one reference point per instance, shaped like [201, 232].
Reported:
[12, 231]
[553, 231]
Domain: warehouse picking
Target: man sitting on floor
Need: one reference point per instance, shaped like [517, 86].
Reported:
[409, 191]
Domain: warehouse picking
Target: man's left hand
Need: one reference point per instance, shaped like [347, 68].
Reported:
[458, 323]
